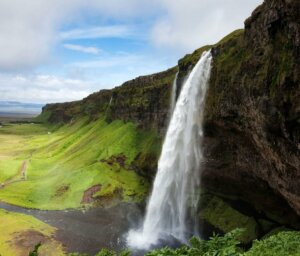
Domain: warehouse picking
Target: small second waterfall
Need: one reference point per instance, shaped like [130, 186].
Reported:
[175, 193]
[173, 94]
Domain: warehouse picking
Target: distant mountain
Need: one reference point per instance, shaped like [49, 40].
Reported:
[20, 107]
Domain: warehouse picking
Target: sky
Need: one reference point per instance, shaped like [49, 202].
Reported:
[57, 51]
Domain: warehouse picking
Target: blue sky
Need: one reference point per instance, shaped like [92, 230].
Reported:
[55, 51]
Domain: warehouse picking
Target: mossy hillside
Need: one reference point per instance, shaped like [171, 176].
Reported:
[222, 216]
[14, 236]
[63, 164]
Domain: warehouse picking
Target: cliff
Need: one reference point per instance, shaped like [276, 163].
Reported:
[144, 101]
[252, 115]
[252, 118]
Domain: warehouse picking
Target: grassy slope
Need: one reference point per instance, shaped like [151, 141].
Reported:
[68, 161]
[14, 240]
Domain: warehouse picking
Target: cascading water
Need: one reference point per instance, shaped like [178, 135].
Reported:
[174, 196]
[173, 94]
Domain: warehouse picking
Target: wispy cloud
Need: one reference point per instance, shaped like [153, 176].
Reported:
[114, 31]
[109, 70]
[84, 49]
[110, 61]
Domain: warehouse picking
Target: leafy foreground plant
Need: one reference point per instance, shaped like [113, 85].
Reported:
[282, 244]
[216, 245]
[104, 252]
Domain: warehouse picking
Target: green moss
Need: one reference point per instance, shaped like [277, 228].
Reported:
[222, 216]
[283, 54]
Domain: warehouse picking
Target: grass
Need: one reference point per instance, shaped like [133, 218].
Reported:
[64, 163]
[14, 240]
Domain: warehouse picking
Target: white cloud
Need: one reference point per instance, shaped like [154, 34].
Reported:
[84, 49]
[120, 9]
[188, 25]
[109, 62]
[30, 29]
[42, 88]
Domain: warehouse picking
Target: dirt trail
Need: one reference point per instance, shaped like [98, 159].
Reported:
[20, 176]
[23, 169]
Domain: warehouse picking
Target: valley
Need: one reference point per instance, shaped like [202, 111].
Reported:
[47, 167]
[63, 163]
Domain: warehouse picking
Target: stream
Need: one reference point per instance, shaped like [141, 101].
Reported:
[90, 230]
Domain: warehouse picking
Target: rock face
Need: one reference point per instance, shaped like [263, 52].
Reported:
[253, 114]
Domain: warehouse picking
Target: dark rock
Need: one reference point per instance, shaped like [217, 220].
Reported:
[252, 129]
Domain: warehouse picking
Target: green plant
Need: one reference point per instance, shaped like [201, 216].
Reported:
[217, 245]
[106, 252]
[283, 243]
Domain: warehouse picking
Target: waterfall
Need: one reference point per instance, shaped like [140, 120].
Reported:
[175, 193]
[174, 94]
